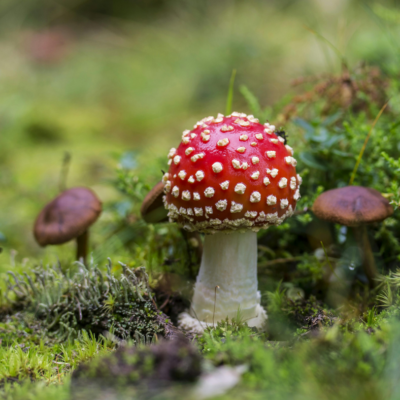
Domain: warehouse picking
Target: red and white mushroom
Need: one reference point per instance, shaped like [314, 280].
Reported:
[229, 175]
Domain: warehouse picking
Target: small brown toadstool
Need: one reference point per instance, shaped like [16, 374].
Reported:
[355, 206]
[152, 209]
[68, 217]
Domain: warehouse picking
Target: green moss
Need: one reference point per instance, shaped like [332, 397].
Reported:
[65, 304]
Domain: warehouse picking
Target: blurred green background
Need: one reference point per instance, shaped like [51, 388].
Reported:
[120, 80]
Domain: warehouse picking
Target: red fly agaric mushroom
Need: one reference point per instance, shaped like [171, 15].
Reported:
[229, 175]
[68, 217]
[355, 206]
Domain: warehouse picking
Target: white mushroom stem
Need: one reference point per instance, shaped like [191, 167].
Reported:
[229, 262]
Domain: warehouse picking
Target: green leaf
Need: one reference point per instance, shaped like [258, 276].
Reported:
[311, 161]
[305, 125]
[251, 101]
[332, 119]
[229, 99]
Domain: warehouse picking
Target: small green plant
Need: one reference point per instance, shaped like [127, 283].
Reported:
[276, 298]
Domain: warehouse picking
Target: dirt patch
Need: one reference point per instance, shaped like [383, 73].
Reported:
[132, 370]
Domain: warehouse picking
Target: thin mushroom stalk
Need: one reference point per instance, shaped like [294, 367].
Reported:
[230, 262]
[367, 256]
[82, 244]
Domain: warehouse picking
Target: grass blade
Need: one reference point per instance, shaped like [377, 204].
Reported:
[229, 99]
[251, 101]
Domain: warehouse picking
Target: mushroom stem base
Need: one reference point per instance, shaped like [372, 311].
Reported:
[226, 286]
[191, 324]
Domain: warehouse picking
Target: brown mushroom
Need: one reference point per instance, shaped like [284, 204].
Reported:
[153, 211]
[68, 217]
[355, 207]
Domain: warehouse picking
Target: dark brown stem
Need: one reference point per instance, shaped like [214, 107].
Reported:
[368, 260]
[198, 249]
[82, 242]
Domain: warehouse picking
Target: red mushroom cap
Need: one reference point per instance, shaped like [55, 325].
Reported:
[231, 173]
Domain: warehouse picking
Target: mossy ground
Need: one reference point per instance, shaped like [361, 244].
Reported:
[117, 112]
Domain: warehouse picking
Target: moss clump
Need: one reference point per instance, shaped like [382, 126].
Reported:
[308, 314]
[65, 304]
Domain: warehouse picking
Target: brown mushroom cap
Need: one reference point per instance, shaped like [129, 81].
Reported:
[153, 209]
[352, 206]
[67, 216]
